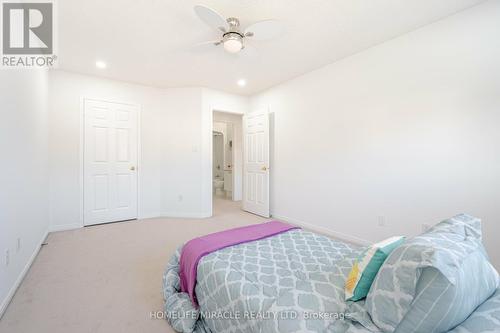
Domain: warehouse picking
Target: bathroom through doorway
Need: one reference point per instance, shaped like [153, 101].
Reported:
[227, 157]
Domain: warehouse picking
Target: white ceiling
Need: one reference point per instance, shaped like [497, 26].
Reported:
[149, 41]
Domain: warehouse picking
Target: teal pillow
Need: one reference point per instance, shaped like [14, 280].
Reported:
[367, 266]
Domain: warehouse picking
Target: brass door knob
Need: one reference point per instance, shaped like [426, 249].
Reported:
[264, 168]
[132, 168]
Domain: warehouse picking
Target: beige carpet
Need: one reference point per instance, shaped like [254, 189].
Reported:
[107, 278]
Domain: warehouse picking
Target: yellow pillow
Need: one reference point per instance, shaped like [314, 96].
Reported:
[365, 269]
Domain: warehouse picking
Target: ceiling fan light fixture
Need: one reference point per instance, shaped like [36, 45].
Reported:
[233, 43]
[233, 37]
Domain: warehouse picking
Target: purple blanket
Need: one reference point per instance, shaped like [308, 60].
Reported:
[196, 248]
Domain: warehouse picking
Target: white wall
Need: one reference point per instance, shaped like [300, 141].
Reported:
[181, 153]
[173, 140]
[65, 120]
[408, 130]
[24, 212]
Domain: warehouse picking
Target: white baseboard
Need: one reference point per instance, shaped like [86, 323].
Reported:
[149, 216]
[185, 215]
[64, 227]
[12, 291]
[325, 231]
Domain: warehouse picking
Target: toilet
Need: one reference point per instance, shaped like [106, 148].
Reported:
[219, 186]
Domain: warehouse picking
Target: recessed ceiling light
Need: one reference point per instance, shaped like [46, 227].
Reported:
[100, 64]
[242, 82]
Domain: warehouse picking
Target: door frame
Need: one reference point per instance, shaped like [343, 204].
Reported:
[207, 155]
[82, 150]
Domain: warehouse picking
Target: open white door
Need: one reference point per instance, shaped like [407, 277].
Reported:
[110, 162]
[256, 163]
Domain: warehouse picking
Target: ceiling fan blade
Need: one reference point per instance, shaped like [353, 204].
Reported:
[263, 30]
[211, 18]
[205, 46]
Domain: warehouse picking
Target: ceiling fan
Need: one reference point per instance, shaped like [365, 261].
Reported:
[233, 38]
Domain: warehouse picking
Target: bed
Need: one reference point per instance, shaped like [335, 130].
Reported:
[290, 282]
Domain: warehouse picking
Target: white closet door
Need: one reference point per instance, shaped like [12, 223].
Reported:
[110, 162]
[256, 163]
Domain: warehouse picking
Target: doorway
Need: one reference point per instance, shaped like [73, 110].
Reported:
[110, 162]
[240, 161]
[227, 155]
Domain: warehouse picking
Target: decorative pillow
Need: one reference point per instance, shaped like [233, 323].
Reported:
[366, 268]
[432, 282]
[484, 319]
[439, 305]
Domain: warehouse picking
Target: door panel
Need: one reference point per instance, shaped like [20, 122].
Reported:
[100, 192]
[101, 144]
[124, 188]
[256, 163]
[122, 145]
[110, 162]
